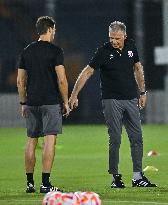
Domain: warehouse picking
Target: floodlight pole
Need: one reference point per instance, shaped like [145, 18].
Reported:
[139, 27]
[50, 7]
[51, 10]
[165, 22]
[165, 44]
[139, 32]
[161, 57]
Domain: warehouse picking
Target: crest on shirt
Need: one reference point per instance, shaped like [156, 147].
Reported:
[130, 54]
[111, 56]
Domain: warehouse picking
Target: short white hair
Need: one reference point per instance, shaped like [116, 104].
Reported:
[117, 26]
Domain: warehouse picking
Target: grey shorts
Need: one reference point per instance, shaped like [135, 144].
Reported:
[43, 120]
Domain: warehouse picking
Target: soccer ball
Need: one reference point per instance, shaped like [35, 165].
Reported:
[52, 198]
[58, 198]
[77, 198]
[70, 199]
[89, 198]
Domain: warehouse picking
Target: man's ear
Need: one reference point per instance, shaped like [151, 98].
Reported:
[125, 37]
[49, 29]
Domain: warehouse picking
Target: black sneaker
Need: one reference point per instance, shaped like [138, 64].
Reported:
[30, 187]
[48, 188]
[117, 182]
[144, 182]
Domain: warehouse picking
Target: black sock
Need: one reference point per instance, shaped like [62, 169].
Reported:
[45, 179]
[30, 177]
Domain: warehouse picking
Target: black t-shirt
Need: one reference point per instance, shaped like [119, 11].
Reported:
[116, 70]
[39, 60]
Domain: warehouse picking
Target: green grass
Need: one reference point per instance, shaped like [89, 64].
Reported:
[81, 163]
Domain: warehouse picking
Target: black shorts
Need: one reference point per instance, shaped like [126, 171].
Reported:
[43, 120]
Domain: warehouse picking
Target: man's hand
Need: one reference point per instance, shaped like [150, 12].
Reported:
[24, 111]
[66, 109]
[83, 77]
[73, 101]
[142, 101]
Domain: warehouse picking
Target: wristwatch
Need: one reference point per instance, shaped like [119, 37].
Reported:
[143, 93]
[23, 103]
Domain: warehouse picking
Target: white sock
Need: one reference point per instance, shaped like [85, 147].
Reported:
[137, 175]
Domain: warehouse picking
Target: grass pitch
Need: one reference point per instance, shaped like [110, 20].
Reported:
[81, 164]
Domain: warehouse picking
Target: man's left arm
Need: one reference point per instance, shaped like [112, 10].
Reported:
[139, 76]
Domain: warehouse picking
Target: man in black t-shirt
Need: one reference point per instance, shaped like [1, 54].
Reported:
[41, 84]
[121, 74]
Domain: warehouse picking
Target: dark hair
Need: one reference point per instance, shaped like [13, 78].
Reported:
[117, 26]
[44, 23]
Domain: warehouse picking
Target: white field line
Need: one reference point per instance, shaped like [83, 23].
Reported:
[135, 202]
[21, 200]
[105, 201]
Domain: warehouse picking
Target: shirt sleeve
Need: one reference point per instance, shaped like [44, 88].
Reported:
[59, 60]
[21, 62]
[96, 60]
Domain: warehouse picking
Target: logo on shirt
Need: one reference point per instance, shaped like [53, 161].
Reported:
[111, 56]
[130, 54]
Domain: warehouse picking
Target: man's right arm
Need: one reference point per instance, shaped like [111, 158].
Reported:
[83, 77]
[21, 84]
[63, 86]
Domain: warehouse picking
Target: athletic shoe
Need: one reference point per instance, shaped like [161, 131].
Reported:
[144, 182]
[49, 188]
[30, 187]
[117, 182]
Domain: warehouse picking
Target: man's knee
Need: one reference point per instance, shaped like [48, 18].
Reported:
[50, 140]
[136, 140]
[114, 140]
[31, 143]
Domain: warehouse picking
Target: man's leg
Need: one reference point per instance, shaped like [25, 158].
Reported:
[30, 161]
[133, 127]
[47, 162]
[52, 125]
[34, 130]
[48, 157]
[132, 124]
[113, 113]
